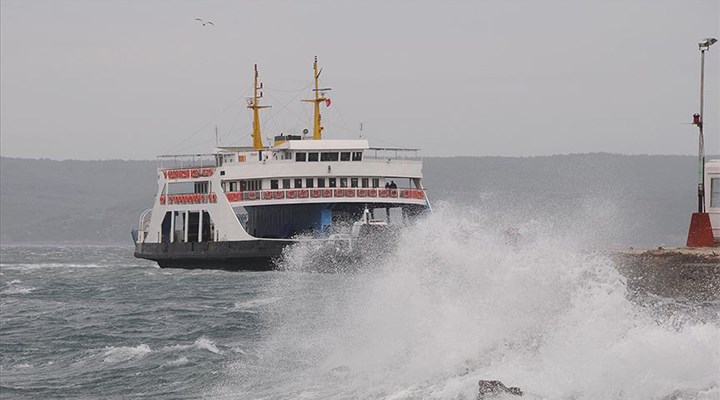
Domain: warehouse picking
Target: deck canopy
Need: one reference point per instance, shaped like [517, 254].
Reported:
[325, 144]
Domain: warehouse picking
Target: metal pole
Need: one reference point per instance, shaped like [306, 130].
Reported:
[701, 138]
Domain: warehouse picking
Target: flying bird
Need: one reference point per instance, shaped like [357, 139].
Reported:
[204, 22]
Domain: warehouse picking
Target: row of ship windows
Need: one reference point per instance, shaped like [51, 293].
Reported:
[299, 183]
[329, 156]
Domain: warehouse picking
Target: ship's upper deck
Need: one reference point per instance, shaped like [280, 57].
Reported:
[358, 152]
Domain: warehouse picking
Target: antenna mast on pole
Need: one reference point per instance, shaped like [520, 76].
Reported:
[698, 120]
[255, 106]
[319, 98]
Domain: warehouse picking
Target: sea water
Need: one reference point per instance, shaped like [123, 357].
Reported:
[454, 301]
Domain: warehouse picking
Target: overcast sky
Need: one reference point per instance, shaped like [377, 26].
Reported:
[134, 79]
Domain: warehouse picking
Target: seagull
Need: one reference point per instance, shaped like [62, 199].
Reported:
[204, 22]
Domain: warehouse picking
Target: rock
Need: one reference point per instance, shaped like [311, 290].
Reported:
[492, 389]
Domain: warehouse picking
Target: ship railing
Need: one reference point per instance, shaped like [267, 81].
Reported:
[391, 153]
[182, 161]
[319, 193]
[143, 224]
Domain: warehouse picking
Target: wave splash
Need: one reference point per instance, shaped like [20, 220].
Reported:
[454, 303]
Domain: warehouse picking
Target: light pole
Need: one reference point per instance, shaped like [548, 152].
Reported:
[704, 45]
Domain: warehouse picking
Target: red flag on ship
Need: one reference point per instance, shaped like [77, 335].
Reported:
[327, 102]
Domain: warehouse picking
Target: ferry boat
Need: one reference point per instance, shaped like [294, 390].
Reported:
[239, 207]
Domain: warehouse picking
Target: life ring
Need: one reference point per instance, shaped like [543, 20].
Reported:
[267, 195]
[372, 192]
[327, 193]
[162, 199]
[195, 173]
[251, 195]
[291, 194]
[339, 192]
[361, 192]
[278, 194]
[393, 193]
[315, 193]
[349, 192]
[303, 194]
[383, 192]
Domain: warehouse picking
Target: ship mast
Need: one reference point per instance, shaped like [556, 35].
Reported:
[319, 98]
[255, 106]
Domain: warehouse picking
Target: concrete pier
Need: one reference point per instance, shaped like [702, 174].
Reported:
[692, 273]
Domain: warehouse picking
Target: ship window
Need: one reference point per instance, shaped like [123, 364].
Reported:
[181, 187]
[715, 192]
[202, 187]
[329, 156]
[178, 234]
[300, 156]
[298, 183]
[255, 184]
[353, 182]
[321, 182]
[376, 182]
[233, 186]
[222, 173]
[332, 182]
[273, 184]
[309, 182]
[312, 156]
[345, 156]
[286, 183]
[365, 182]
[357, 156]
[343, 182]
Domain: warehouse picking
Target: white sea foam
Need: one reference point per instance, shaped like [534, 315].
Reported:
[453, 304]
[20, 267]
[18, 290]
[207, 344]
[125, 353]
[177, 362]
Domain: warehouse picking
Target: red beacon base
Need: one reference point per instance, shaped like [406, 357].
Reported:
[700, 234]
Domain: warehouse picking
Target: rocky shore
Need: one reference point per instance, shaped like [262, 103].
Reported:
[693, 274]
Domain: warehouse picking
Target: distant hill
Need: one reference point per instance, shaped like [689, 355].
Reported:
[617, 199]
[46, 201]
[610, 199]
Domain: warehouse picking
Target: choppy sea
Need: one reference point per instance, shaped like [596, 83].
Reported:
[451, 304]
